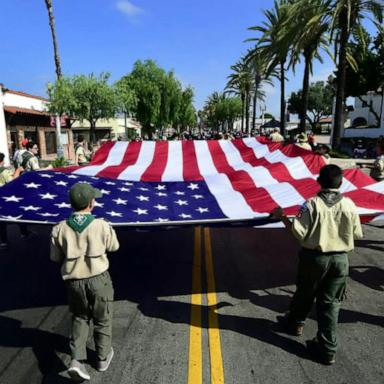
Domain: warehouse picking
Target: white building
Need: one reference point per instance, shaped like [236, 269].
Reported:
[364, 123]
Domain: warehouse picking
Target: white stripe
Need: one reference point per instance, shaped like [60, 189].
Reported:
[284, 194]
[376, 187]
[295, 165]
[174, 167]
[144, 160]
[347, 186]
[115, 157]
[231, 202]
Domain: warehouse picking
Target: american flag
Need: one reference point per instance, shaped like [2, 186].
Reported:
[185, 182]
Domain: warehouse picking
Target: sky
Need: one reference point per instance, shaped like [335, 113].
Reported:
[198, 39]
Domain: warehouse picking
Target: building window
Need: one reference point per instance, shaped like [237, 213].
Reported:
[50, 142]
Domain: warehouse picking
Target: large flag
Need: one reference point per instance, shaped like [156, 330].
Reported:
[186, 182]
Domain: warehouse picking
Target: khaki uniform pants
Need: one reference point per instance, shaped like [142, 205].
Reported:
[321, 276]
[91, 299]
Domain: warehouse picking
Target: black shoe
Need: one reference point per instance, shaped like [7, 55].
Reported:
[289, 326]
[314, 350]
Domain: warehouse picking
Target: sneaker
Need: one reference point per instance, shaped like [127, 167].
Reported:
[102, 365]
[3, 246]
[77, 371]
[315, 351]
[290, 327]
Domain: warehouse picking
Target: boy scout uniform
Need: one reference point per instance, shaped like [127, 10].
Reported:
[5, 176]
[377, 171]
[80, 155]
[81, 244]
[30, 162]
[276, 137]
[325, 227]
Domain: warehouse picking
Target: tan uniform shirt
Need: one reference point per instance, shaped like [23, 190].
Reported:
[83, 254]
[377, 171]
[327, 229]
[276, 137]
[80, 155]
[304, 146]
[32, 164]
[5, 177]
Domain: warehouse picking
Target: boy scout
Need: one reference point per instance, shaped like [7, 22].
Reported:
[80, 243]
[325, 227]
[80, 155]
[377, 171]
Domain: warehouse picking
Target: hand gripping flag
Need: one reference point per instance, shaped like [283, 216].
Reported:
[186, 182]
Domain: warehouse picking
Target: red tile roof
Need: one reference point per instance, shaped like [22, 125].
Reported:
[28, 111]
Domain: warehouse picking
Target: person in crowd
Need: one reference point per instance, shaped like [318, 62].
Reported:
[80, 244]
[18, 155]
[81, 157]
[6, 176]
[276, 137]
[30, 161]
[302, 141]
[377, 169]
[323, 150]
[326, 227]
[312, 140]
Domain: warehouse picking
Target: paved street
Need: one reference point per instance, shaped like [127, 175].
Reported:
[225, 332]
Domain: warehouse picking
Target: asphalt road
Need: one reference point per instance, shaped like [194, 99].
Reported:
[192, 306]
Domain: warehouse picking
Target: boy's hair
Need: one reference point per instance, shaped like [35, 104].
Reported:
[80, 138]
[29, 145]
[330, 177]
[2, 156]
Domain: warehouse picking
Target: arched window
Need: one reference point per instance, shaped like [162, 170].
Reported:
[359, 122]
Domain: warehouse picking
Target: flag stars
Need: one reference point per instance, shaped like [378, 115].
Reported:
[114, 214]
[62, 183]
[110, 183]
[161, 207]
[179, 193]
[185, 216]
[12, 198]
[97, 204]
[142, 198]
[193, 186]
[161, 220]
[47, 176]
[161, 194]
[105, 192]
[32, 185]
[139, 211]
[63, 205]
[202, 210]
[30, 208]
[181, 202]
[197, 197]
[161, 187]
[47, 196]
[120, 201]
[123, 189]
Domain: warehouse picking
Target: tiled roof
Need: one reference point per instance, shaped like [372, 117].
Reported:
[28, 111]
[6, 90]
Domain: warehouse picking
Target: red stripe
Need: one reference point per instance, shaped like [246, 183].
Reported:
[313, 161]
[191, 170]
[257, 198]
[130, 157]
[364, 198]
[102, 153]
[156, 169]
[358, 178]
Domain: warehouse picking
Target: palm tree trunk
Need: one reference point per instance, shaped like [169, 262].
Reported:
[247, 101]
[282, 98]
[340, 81]
[48, 3]
[255, 102]
[242, 112]
[305, 92]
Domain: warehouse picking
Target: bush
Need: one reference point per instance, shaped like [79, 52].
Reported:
[59, 162]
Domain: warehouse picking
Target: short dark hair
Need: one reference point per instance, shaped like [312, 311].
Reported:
[2, 156]
[30, 145]
[80, 138]
[331, 176]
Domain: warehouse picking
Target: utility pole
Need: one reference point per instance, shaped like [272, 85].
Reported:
[3, 130]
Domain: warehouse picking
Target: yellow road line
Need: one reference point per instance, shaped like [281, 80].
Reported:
[216, 359]
[195, 368]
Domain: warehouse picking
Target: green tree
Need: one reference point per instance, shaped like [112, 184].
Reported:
[187, 113]
[320, 98]
[87, 98]
[276, 45]
[347, 16]
[306, 26]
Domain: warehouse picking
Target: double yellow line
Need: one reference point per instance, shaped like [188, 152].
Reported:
[195, 369]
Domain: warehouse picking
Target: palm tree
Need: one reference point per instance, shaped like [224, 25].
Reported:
[258, 66]
[306, 27]
[48, 3]
[275, 45]
[240, 82]
[346, 16]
